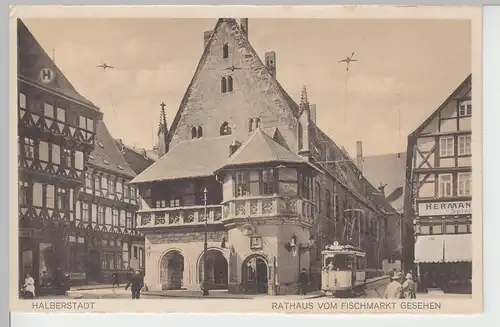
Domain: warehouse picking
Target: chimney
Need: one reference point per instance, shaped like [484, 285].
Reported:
[312, 110]
[359, 155]
[233, 147]
[244, 26]
[270, 58]
[206, 37]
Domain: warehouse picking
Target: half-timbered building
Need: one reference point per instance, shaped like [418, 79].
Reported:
[249, 166]
[56, 134]
[439, 167]
[107, 239]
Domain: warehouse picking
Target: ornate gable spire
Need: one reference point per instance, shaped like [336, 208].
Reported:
[162, 127]
[304, 103]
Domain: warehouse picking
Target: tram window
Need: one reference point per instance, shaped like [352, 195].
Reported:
[340, 262]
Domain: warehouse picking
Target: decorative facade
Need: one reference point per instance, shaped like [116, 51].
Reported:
[439, 169]
[248, 166]
[56, 134]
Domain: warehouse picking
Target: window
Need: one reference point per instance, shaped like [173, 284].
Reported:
[62, 199]
[268, 182]
[175, 202]
[250, 125]
[223, 85]
[193, 132]
[161, 204]
[200, 131]
[100, 215]
[119, 188]
[56, 154]
[22, 100]
[196, 132]
[85, 212]
[24, 193]
[135, 252]
[225, 129]
[447, 146]
[115, 217]
[97, 183]
[68, 157]
[111, 186]
[445, 185]
[49, 196]
[464, 145]
[257, 122]
[306, 186]
[242, 184]
[129, 220]
[43, 151]
[464, 184]
[88, 181]
[29, 148]
[253, 124]
[230, 84]
[126, 191]
[465, 108]
[225, 51]
[122, 218]
[318, 198]
[48, 110]
[61, 114]
[86, 124]
[300, 136]
[79, 160]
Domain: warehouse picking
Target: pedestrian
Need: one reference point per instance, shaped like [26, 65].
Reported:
[115, 279]
[29, 287]
[136, 283]
[303, 281]
[395, 289]
[409, 287]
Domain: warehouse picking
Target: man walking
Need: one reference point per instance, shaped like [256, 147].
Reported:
[303, 282]
[136, 282]
[409, 288]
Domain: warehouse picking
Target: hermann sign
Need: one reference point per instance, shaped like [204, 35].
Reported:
[445, 208]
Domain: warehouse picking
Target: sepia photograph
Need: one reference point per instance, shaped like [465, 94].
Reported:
[245, 157]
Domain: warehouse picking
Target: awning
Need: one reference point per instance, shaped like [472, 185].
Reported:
[443, 248]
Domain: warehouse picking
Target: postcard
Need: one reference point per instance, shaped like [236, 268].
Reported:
[289, 159]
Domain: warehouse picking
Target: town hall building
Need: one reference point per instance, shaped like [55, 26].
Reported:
[246, 169]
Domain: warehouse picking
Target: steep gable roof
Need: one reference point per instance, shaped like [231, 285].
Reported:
[260, 148]
[106, 154]
[242, 42]
[32, 59]
[467, 81]
[188, 159]
[136, 160]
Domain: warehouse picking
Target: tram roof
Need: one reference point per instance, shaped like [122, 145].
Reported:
[347, 247]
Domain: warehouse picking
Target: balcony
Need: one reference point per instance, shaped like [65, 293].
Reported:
[234, 209]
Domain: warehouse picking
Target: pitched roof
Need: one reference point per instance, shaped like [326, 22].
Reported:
[136, 160]
[387, 169]
[32, 59]
[106, 154]
[261, 148]
[241, 40]
[467, 81]
[191, 158]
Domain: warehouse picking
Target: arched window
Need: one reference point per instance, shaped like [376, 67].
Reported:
[250, 125]
[300, 131]
[328, 203]
[225, 129]
[257, 122]
[200, 131]
[225, 51]
[193, 132]
[229, 84]
[223, 85]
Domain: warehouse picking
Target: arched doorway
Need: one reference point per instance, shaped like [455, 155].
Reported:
[172, 270]
[94, 265]
[217, 269]
[255, 274]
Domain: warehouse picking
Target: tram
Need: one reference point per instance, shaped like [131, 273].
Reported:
[344, 269]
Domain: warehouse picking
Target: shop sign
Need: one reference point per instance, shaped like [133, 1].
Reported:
[445, 208]
[77, 275]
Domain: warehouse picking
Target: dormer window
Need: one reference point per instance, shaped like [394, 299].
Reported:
[225, 51]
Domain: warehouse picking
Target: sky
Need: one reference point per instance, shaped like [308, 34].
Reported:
[405, 70]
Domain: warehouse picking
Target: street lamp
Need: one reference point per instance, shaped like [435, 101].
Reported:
[204, 285]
